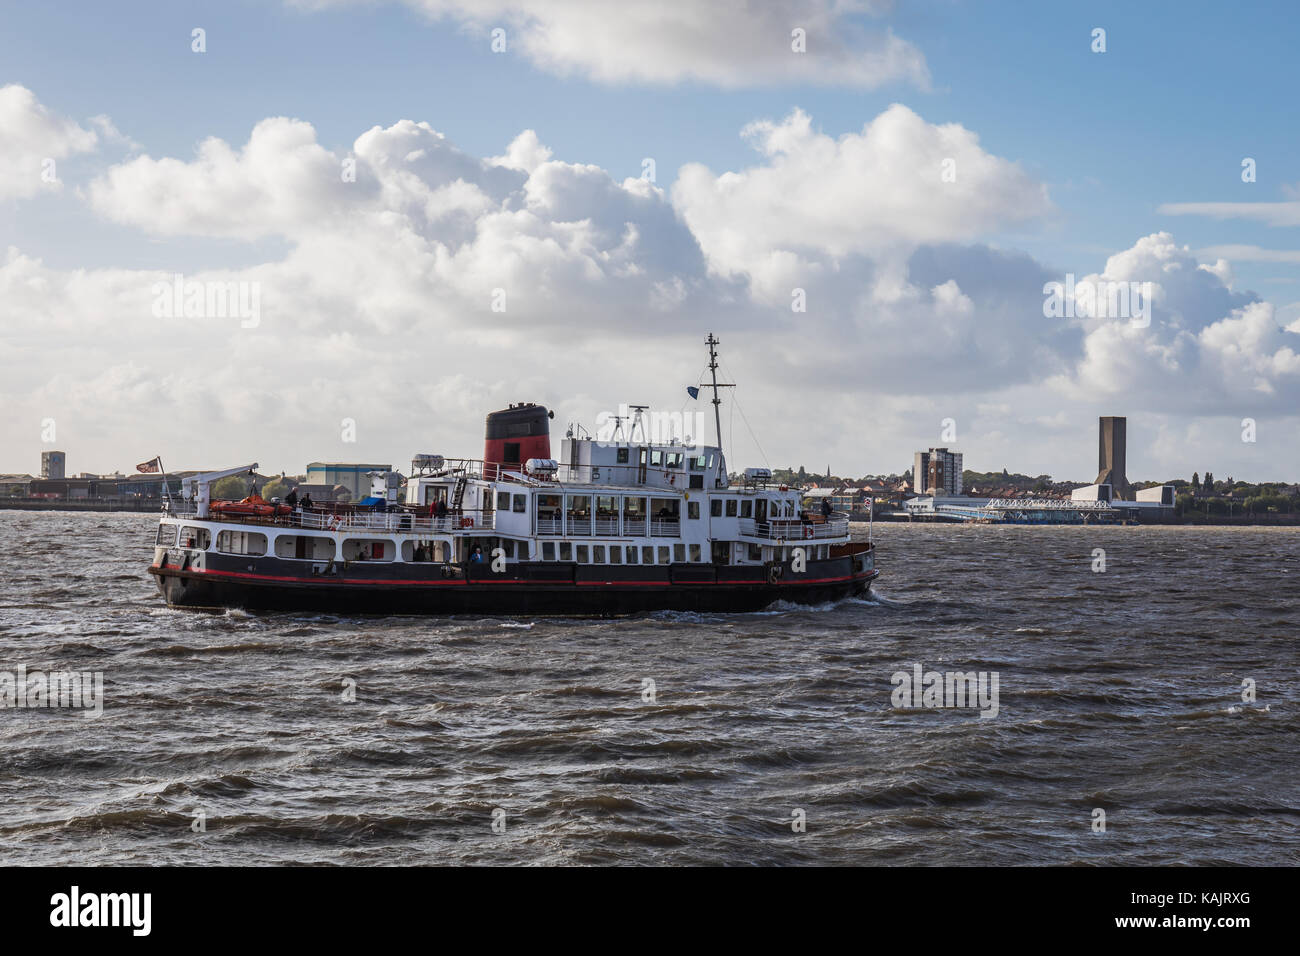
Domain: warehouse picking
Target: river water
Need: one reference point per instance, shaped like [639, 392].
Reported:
[1119, 691]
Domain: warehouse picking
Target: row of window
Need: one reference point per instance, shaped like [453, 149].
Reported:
[665, 459]
[619, 554]
[744, 508]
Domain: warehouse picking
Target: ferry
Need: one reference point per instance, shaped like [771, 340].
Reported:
[612, 527]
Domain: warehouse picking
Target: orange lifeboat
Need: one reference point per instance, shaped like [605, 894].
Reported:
[253, 506]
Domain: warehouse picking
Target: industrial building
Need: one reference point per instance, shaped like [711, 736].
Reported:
[1112, 440]
[54, 464]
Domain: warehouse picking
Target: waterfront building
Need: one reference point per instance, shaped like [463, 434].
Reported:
[354, 477]
[937, 471]
[54, 464]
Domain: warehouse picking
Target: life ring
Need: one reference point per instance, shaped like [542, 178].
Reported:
[467, 522]
[807, 531]
[334, 524]
[773, 573]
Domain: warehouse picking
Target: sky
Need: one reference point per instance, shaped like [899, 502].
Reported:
[390, 218]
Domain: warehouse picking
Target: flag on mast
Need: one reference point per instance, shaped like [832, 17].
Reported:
[151, 467]
[692, 391]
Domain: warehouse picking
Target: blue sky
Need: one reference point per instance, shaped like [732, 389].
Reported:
[1182, 94]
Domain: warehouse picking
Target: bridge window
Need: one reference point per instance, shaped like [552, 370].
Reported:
[731, 507]
[747, 508]
[241, 542]
[697, 463]
[715, 508]
[304, 547]
[195, 538]
[166, 536]
[622, 456]
[503, 501]
[521, 504]
[656, 458]
[367, 549]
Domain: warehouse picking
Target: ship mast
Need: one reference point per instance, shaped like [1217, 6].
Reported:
[712, 343]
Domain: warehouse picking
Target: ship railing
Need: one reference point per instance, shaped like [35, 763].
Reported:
[606, 526]
[794, 529]
[634, 527]
[665, 528]
[407, 522]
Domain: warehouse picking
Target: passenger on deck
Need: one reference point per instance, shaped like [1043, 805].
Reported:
[440, 509]
[363, 554]
[291, 499]
[477, 556]
[826, 507]
[306, 501]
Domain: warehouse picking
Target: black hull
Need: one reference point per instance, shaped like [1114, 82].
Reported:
[548, 588]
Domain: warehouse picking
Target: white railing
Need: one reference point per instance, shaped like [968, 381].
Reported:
[791, 530]
[665, 528]
[390, 521]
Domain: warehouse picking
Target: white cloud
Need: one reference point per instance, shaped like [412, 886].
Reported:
[1269, 213]
[727, 43]
[1216, 350]
[882, 190]
[1249, 253]
[31, 136]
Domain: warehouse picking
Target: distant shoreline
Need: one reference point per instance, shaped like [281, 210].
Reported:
[62, 504]
[1190, 521]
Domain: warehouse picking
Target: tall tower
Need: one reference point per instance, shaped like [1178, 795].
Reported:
[1111, 456]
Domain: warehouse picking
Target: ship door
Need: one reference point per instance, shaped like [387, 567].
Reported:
[760, 511]
[640, 466]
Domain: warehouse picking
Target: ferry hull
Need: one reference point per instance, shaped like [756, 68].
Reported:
[537, 588]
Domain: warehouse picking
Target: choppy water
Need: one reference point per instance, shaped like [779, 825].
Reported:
[1118, 690]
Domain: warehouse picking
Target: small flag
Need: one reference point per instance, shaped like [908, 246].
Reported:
[692, 391]
[150, 467]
